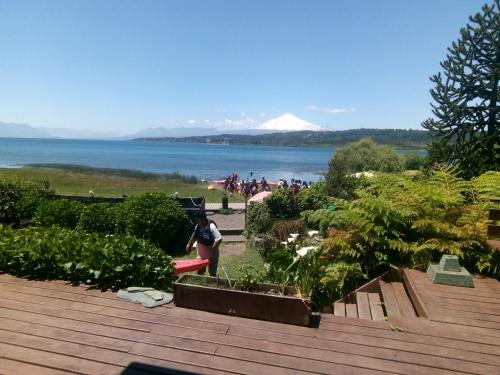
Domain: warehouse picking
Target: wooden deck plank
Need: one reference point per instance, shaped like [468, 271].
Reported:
[340, 341]
[415, 330]
[302, 349]
[404, 303]
[351, 310]
[198, 318]
[360, 364]
[10, 367]
[363, 305]
[377, 312]
[116, 359]
[481, 284]
[218, 362]
[488, 328]
[258, 346]
[438, 292]
[113, 321]
[352, 353]
[57, 361]
[449, 304]
[339, 308]
[444, 309]
[389, 299]
[52, 319]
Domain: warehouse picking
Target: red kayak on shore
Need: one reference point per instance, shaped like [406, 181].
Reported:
[188, 265]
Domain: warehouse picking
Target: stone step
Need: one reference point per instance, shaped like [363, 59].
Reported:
[231, 231]
[233, 239]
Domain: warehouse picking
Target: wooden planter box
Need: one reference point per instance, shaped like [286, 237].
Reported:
[256, 305]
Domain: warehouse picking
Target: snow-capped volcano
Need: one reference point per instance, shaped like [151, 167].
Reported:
[288, 123]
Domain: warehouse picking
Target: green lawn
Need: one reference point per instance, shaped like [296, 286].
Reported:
[105, 184]
[232, 263]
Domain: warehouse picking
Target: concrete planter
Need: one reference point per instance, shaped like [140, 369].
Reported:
[210, 294]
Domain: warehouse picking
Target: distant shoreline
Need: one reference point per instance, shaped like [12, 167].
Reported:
[410, 139]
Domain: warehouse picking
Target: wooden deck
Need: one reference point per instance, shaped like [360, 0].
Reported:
[49, 327]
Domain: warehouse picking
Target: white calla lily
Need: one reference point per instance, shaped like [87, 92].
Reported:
[312, 233]
[304, 250]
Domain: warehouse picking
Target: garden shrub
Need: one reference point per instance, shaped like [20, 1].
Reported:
[312, 198]
[282, 229]
[414, 161]
[19, 199]
[106, 261]
[61, 212]
[313, 219]
[265, 244]
[259, 219]
[98, 217]
[282, 204]
[156, 217]
[401, 222]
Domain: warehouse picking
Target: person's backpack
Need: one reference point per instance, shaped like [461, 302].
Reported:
[211, 238]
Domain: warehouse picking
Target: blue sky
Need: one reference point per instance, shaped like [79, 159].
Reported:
[127, 65]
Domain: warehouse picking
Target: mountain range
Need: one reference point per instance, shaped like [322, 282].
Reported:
[284, 123]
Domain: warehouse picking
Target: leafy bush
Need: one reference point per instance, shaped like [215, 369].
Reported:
[313, 219]
[259, 219]
[265, 244]
[312, 198]
[414, 161]
[282, 229]
[156, 217]
[61, 212]
[341, 182]
[105, 261]
[98, 217]
[282, 204]
[364, 155]
[399, 221]
[20, 198]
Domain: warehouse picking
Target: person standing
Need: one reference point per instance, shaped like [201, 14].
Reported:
[208, 238]
[263, 184]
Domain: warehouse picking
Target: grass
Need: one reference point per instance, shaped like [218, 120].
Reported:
[77, 180]
[232, 263]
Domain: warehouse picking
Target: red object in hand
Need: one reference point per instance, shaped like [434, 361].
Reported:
[187, 265]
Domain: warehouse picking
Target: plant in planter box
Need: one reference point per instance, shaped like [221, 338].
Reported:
[249, 280]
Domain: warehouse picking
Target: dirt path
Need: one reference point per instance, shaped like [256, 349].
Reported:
[231, 248]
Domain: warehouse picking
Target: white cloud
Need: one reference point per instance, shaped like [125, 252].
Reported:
[191, 122]
[207, 121]
[251, 120]
[330, 109]
[243, 114]
[229, 121]
[220, 110]
[262, 114]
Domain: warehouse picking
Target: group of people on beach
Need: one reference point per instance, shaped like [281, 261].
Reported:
[295, 185]
[249, 187]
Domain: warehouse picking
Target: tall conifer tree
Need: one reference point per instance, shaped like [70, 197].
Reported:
[466, 96]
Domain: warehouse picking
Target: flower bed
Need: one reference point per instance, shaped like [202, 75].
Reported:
[268, 301]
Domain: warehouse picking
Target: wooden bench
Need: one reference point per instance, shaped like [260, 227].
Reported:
[493, 231]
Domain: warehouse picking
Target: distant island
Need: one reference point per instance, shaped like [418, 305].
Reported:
[413, 139]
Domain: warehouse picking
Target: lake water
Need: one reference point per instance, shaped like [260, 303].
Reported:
[206, 161]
